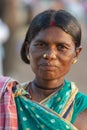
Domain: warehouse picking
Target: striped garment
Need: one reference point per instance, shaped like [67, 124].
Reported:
[33, 115]
[8, 114]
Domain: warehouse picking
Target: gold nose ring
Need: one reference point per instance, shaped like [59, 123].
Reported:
[44, 56]
[54, 56]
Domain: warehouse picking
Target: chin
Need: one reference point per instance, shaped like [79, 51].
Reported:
[46, 77]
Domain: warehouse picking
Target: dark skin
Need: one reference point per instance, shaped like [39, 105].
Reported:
[50, 71]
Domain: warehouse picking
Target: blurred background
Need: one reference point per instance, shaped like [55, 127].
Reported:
[15, 17]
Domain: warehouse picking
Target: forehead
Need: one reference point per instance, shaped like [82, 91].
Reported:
[54, 34]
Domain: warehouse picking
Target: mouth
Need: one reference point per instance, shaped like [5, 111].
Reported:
[48, 67]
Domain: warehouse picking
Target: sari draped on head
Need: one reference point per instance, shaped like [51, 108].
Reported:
[53, 113]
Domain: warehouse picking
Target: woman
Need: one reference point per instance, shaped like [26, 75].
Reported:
[49, 102]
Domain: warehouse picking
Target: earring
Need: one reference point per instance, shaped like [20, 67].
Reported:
[44, 56]
[74, 62]
[28, 57]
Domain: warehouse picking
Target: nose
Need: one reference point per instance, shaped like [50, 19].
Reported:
[50, 54]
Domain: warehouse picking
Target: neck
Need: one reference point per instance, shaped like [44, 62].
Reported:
[48, 84]
[46, 88]
[40, 90]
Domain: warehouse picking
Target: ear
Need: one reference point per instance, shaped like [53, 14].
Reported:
[77, 52]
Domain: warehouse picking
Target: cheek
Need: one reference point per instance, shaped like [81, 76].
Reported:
[66, 62]
[33, 55]
[34, 61]
[67, 59]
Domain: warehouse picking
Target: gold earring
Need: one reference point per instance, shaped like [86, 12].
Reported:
[44, 56]
[74, 62]
[28, 57]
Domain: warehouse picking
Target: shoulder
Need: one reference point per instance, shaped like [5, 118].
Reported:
[4, 81]
[81, 100]
[80, 105]
[23, 85]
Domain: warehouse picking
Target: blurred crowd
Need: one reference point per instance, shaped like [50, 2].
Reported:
[15, 17]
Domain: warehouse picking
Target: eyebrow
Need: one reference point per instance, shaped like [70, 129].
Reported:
[57, 42]
[38, 40]
[64, 43]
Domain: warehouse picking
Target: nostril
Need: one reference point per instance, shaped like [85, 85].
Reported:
[54, 56]
[50, 53]
[49, 56]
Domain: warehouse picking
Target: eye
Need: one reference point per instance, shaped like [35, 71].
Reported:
[40, 44]
[61, 47]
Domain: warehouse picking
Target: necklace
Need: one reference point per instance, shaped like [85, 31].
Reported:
[38, 86]
[29, 88]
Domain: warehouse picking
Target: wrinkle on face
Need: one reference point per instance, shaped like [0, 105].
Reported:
[51, 41]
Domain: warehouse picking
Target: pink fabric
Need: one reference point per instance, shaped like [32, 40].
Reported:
[8, 114]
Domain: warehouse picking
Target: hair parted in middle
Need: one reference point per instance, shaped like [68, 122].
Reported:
[61, 18]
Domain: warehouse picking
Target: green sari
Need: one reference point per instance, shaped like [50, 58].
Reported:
[56, 112]
[53, 113]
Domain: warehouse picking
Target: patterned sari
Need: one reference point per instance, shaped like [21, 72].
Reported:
[52, 113]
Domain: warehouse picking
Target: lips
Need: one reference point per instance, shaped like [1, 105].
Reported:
[48, 66]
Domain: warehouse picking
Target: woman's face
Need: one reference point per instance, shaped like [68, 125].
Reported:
[59, 48]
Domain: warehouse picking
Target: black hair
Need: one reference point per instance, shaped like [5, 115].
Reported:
[63, 19]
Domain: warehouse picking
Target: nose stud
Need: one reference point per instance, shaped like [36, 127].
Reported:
[44, 56]
[51, 56]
